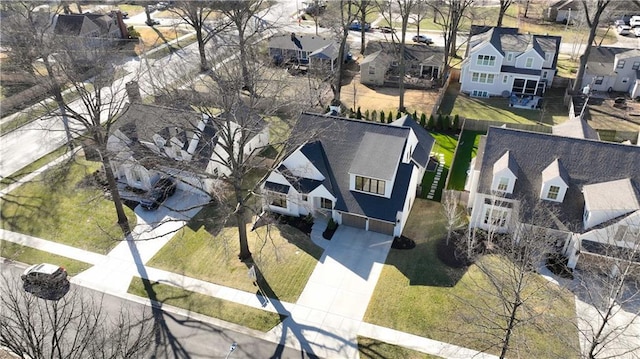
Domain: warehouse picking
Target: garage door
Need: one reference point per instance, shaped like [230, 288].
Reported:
[354, 221]
[381, 227]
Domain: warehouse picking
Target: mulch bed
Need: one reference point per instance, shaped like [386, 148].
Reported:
[303, 223]
[451, 254]
[403, 242]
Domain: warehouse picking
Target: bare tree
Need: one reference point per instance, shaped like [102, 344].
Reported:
[504, 6]
[365, 7]
[593, 10]
[419, 13]
[449, 16]
[453, 213]
[73, 326]
[608, 286]
[197, 14]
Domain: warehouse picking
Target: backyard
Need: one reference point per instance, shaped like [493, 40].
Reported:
[466, 150]
[55, 206]
[440, 312]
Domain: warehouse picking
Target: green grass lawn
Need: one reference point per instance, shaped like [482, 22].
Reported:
[374, 349]
[195, 302]
[467, 149]
[446, 144]
[28, 255]
[417, 293]
[208, 251]
[64, 205]
[497, 108]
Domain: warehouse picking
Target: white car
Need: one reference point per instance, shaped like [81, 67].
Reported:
[44, 274]
[623, 29]
[636, 31]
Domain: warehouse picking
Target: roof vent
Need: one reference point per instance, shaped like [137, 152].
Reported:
[293, 36]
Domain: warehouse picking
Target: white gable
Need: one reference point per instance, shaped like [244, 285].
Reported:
[300, 166]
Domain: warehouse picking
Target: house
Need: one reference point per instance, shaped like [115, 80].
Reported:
[360, 174]
[91, 26]
[613, 69]
[585, 193]
[147, 141]
[503, 62]
[380, 64]
[303, 49]
[564, 11]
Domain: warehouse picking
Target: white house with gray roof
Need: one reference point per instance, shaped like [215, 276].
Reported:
[501, 61]
[613, 69]
[361, 174]
[585, 193]
[304, 49]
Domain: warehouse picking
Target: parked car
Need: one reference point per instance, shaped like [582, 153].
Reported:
[623, 29]
[356, 26]
[387, 29]
[422, 39]
[163, 189]
[619, 22]
[44, 274]
[636, 31]
[634, 21]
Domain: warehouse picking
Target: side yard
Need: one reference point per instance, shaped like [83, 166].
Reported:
[56, 204]
[441, 313]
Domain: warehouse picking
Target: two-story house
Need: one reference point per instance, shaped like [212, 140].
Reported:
[305, 49]
[583, 192]
[361, 174]
[501, 62]
[613, 69]
[148, 141]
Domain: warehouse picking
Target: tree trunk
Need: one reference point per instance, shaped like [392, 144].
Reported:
[337, 80]
[363, 17]
[244, 254]
[405, 20]
[247, 84]
[510, 326]
[501, 15]
[123, 221]
[593, 28]
[57, 94]
[526, 8]
[148, 13]
[204, 66]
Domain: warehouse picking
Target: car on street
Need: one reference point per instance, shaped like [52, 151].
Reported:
[636, 31]
[623, 29]
[356, 26]
[422, 39]
[44, 274]
[634, 21]
[163, 189]
[387, 29]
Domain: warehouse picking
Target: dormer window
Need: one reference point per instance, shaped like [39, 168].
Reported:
[529, 62]
[505, 171]
[370, 185]
[553, 192]
[503, 184]
[555, 181]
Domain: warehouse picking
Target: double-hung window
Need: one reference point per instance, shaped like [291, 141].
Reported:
[486, 60]
[370, 185]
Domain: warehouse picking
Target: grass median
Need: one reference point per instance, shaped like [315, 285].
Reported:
[418, 294]
[213, 307]
[375, 349]
[65, 204]
[28, 255]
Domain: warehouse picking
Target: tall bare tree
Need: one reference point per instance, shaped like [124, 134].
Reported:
[74, 326]
[449, 16]
[198, 15]
[453, 213]
[593, 10]
[504, 6]
[365, 7]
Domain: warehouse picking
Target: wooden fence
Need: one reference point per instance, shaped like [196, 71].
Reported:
[472, 124]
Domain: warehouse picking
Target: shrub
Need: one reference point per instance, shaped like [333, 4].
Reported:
[432, 123]
[382, 116]
[332, 225]
[366, 115]
[439, 122]
[415, 115]
[358, 113]
[374, 116]
[398, 115]
[456, 122]
[133, 33]
[423, 120]
[390, 117]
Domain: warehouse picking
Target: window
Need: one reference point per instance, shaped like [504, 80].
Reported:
[482, 77]
[625, 80]
[636, 65]
[477, 93]
[509, 57]
[370, 185]
[495, 217]
[278, 200]
[504, 79]
[372, 70]
[486, 60]
[529, 62]
[553, 192]
[621, 64]
[503, 184]
[326, 203]
[544, 74]
[599, 80]
[305, 198]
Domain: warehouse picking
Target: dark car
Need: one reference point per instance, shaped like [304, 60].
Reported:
[163, 189]
[44, 274]
[387, 29]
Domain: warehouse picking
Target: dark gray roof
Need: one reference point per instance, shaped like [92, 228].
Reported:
[508, 39]
[294, 41]
[567, 4]
[276, 187]
[585, 161]
[378, 155]
[601, 59]
[69, 24]
[575, 127]
[336, 142]
[425, 141]
[519, 70]
[414, 53]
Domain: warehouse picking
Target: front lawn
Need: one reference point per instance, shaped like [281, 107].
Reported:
[445, 144]
[467, 149]
[497, 108]
[65, 205]
[417, 293]
[213, 307]
[208, 251]
[28, 255]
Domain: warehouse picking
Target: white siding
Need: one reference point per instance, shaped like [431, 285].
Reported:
[300, 166]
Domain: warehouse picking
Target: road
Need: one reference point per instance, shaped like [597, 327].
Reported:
[181, 337]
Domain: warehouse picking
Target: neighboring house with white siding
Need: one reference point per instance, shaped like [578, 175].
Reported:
[501, 61]
[361, 174]
[613, 69]
[586, 191]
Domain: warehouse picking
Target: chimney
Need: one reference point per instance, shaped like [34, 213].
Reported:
[133, 91]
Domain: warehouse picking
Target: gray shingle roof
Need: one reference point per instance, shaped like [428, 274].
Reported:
[425, 141]
[585, 161]
[575, 127]
[507, 39]
[336, 143]
[601, 59]
[414, 53]
[299, 42]
[612, 195]
[377, 156]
